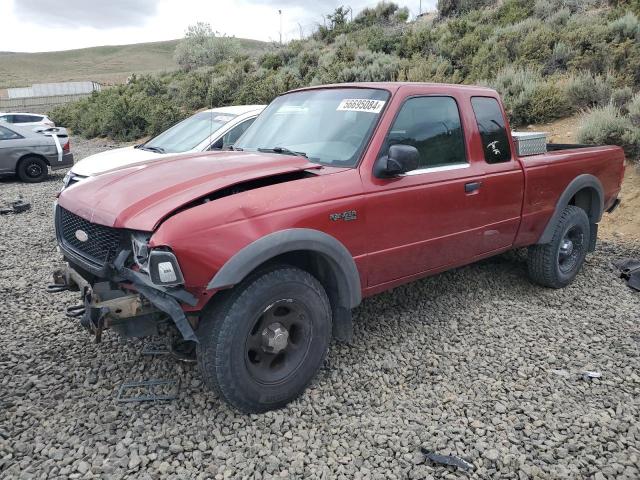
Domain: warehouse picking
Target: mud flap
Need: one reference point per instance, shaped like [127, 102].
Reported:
[593, 238]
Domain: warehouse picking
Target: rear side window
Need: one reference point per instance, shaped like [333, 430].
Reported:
[493, 131]
[432, 125]
[26, 118]
[6, 134]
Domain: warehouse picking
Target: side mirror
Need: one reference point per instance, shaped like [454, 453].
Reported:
[400, 159]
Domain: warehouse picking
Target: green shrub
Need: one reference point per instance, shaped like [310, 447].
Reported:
[448, 8]
[203, 47]
[529, 98]
[431, 69]
[546, 9]
[514, 11]
[559, 59]
[384, 13]
[621, 97]
[586, 90]
[627, 26]
[634, 110]
[606, 126]
[542, 102]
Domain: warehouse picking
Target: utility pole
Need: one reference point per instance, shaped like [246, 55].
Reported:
[420, 7]
[280, 13]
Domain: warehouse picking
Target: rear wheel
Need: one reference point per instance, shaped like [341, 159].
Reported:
[262, 345]
[556, 264]
[32, 169]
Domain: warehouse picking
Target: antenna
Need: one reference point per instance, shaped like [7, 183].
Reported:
[280, 13]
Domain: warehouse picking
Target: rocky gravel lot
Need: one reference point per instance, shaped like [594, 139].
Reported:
[476, 362]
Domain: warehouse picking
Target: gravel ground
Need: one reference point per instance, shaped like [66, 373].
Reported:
[476, 362]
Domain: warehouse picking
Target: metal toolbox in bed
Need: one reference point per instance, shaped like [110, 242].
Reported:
[530, 143]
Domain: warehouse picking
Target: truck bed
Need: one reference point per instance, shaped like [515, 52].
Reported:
[547, 176]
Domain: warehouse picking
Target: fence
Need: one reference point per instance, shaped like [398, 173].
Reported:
[37, 104]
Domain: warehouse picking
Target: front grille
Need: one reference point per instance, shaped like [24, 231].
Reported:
[102, 244]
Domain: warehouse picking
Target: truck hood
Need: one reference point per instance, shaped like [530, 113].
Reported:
[112, 159]
[142, 196]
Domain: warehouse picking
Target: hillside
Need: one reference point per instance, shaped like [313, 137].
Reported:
[107, 64]
[549, 59]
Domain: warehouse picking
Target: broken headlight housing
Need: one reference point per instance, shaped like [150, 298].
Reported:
[160, 264]
[140, 250]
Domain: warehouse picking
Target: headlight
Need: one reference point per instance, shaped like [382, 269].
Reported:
[164, 269]
[140, 249]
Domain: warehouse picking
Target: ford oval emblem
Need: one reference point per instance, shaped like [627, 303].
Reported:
[82, 235]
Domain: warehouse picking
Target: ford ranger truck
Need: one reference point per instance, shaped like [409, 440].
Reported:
[257, 256]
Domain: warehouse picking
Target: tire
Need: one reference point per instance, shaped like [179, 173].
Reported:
[556, 264]
[242, 355]
[32, 169]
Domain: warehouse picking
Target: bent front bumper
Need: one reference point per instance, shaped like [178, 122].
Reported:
[133, 314]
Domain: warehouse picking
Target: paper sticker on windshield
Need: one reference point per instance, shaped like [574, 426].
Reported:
[360, 105]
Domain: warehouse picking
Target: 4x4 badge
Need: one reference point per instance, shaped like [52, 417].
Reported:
[346, 216]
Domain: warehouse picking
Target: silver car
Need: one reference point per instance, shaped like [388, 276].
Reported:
[30, 155]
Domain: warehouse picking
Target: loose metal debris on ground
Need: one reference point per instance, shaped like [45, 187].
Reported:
[448, 460]
[629, 271]
[148, 391]
[17, 206]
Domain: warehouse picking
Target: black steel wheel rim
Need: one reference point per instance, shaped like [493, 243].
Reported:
[571, 247]
[34, 170]
[269, 364]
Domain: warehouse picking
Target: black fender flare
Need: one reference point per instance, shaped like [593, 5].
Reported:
[294, 239]
[579, 183]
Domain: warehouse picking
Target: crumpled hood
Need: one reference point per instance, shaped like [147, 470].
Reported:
[112, 159]
[141, 196]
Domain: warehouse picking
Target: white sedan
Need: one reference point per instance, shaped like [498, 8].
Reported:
[27, 120]
[214, 129]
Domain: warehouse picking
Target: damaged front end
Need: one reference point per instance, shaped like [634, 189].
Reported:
[124, 286]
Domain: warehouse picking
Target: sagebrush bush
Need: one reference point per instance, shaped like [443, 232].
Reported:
[203, 47]
[621, 97]
[607, 126]
[627, 26]
[447, 8]
[530, 98]
[430, 69]
[634, 110]
[586, 90]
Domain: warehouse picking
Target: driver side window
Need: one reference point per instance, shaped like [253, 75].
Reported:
[432, 125]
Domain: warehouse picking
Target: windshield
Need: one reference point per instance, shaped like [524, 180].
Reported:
[329, 126]
[189, 133]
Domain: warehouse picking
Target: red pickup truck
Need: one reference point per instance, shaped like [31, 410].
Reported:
[258, 255]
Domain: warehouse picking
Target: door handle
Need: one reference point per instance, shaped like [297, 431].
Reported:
[472, 187]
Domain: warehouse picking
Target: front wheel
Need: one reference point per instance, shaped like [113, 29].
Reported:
[262, 345]
[556, 264]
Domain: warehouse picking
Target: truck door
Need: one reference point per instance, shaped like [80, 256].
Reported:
[426, 219]
[499, 201]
